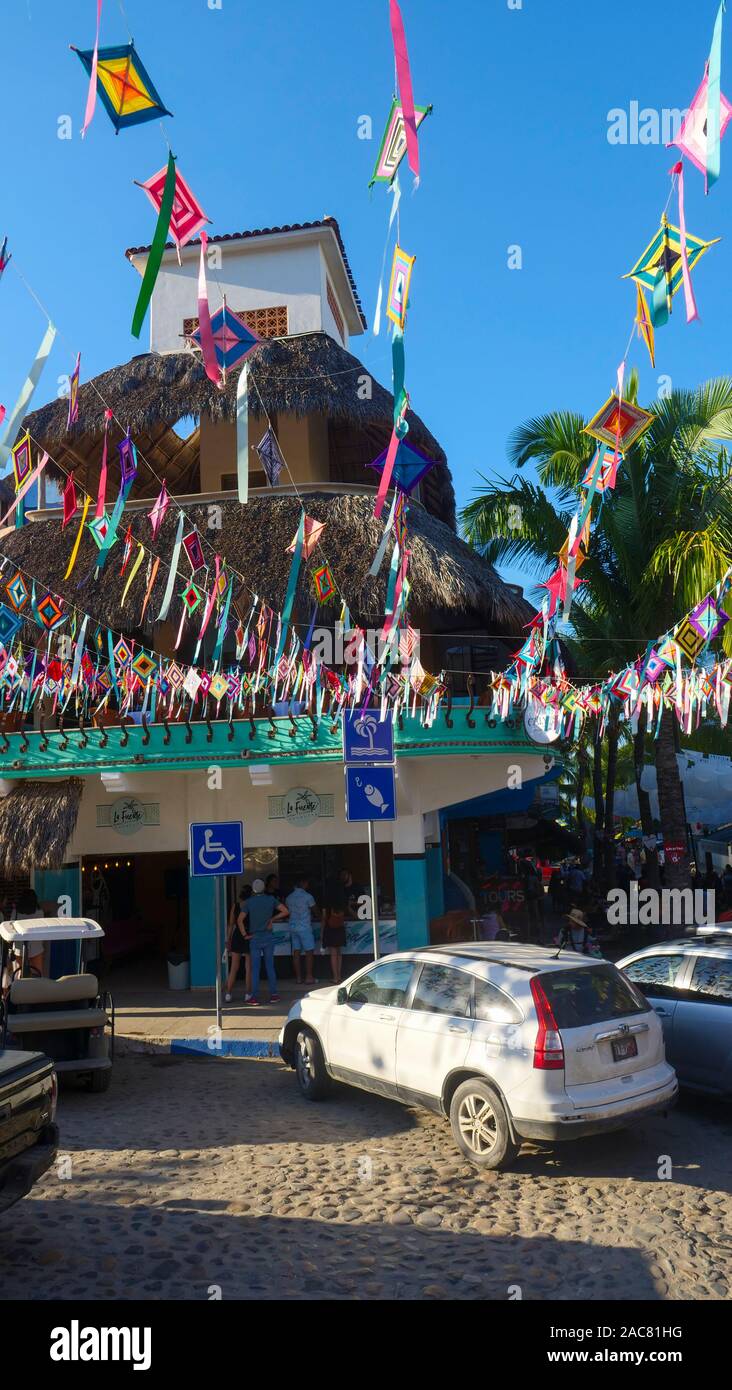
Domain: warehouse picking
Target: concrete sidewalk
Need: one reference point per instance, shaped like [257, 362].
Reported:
[163, 1020]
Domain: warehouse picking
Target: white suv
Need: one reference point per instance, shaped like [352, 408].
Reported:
[512, 1042]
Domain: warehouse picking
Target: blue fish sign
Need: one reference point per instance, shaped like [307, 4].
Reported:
[370, 794]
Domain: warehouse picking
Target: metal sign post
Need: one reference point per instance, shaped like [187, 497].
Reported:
[216, 850]
[219, 955]
[371, 796]
[374, 889]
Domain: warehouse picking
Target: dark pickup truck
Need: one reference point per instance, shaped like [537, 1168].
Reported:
[28, 1134]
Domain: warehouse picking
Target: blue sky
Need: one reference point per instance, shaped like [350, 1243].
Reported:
[267, 99]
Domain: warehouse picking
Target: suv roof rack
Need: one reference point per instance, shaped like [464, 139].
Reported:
[467, 954]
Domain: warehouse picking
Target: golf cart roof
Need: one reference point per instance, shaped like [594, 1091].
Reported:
[50, 929]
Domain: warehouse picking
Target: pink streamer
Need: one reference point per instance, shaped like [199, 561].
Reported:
[621, 382]
[691, 310]
[392, 618]
[91, 98]
[102, 489]
[386, 473]
[208, 347]
[211, 599]
[404, 78]
[25, 488]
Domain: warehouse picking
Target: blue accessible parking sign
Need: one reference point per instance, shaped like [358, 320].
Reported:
[217, 848]
[370, 793]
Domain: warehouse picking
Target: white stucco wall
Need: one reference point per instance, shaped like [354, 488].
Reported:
[423, 786]
[257, 274]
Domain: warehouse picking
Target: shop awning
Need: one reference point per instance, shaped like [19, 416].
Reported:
[37, 820]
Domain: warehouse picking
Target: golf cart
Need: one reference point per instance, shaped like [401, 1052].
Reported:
[68, 1019]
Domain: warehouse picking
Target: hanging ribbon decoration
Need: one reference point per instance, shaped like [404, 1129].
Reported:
[714, 103]
[26, 394]
[395, 190]
[223, 624]
[102, 489]
[211, 600]
[404, 79]
[172, 572]
[24, 488]
[91, 96]
[135, 567]
[155, 254]
[79, 652]
[291, 588]
[79, 535]
[691, 310]
[401, 404]
[205, 331]
[114, 521]
[150, 587]
[69, 501]
[378, 559]
[242, 434]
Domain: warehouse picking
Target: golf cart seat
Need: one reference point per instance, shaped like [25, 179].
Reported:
[38, 1006]
[69, 989]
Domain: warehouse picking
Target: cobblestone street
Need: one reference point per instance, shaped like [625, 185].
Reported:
[190, 1177]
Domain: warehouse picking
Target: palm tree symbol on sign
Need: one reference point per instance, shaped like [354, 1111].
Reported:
[366, 726]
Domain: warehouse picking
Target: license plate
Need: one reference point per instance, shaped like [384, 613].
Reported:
[624, 1047]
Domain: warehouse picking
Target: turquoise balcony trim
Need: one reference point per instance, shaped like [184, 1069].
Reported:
[182, 748]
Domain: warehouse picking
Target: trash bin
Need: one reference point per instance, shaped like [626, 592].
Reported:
[179, 972]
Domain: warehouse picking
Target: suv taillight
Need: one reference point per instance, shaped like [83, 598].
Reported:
[548, 1048]
[54, 1095]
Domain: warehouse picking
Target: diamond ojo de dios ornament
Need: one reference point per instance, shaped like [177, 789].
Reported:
[324, 585]
[619, 422]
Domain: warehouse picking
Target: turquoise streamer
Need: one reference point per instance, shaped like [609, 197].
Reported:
[223, 625]
[714, 101]
[112, 672]
[291, 588]
[114, 521]
[398, 372]
[659, 302]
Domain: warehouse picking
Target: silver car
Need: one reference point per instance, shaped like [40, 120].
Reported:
[689, 984]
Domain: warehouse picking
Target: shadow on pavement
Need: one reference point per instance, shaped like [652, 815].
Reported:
[108, 1252]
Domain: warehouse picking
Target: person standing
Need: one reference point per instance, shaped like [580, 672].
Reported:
[533, 893]
[237, 944]
[261, 912]
[300, 903]
[337, 900]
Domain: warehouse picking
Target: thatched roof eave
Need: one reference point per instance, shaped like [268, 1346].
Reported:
[37, 821]
[449, 580]
[302, 375]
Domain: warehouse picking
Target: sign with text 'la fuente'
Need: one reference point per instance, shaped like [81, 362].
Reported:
[127, 815]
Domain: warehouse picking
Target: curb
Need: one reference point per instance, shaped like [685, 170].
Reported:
[199, 1047]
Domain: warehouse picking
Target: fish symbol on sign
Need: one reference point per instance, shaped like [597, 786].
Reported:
[373, 795]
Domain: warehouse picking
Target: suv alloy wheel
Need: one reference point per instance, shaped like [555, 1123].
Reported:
[480, 1125]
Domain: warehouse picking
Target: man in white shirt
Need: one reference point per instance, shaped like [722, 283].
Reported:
[300, 903]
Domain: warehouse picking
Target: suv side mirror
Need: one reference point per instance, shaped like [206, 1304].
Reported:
[342, 995]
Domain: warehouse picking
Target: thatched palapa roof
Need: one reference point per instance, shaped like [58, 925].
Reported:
[37, 820]
[302, 375]
[450, 581]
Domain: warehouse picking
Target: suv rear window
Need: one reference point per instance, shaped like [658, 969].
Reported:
[593, 994]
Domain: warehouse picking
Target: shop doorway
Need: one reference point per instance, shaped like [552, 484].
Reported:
[141, 901]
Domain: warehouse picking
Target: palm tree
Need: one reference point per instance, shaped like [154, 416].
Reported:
[661, 540]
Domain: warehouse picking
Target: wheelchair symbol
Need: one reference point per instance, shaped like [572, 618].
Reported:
[212, 855]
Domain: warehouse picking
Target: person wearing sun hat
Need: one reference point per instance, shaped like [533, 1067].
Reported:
[577, 935]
